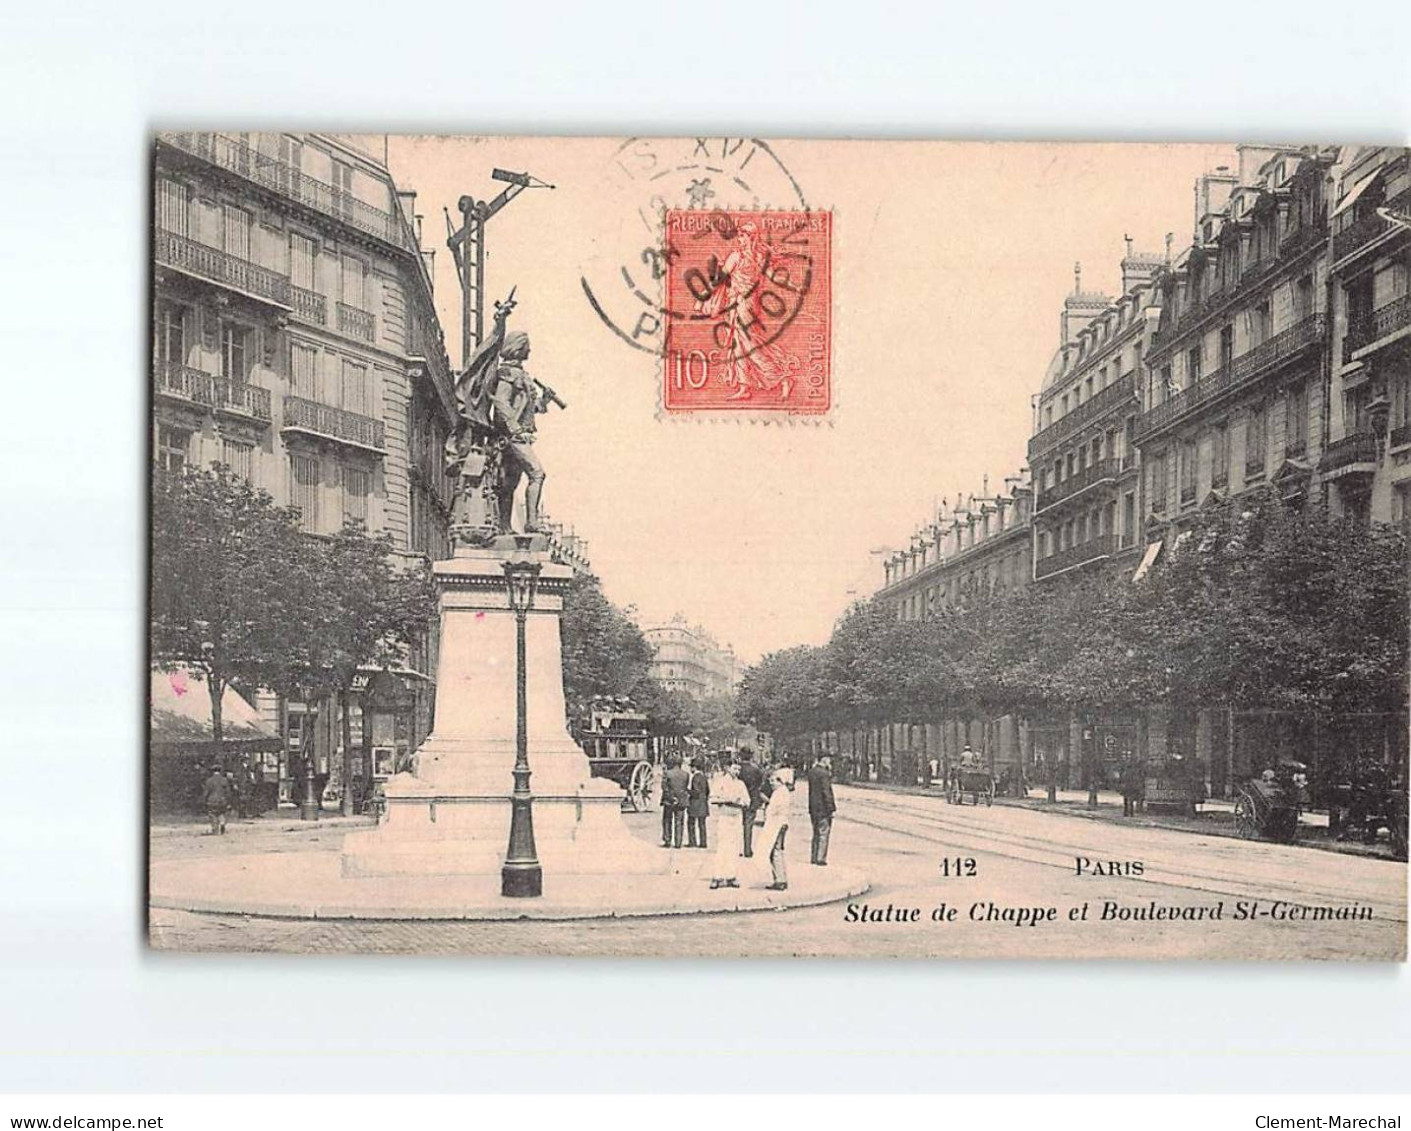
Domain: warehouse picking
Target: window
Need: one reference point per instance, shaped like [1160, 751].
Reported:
[1256, 429]
[304, 472]
[303, 254]
[1296, 421]
[173, 207]
[1156, 483]
[1187, 471]
[1259, 324]
[1303, 299]
[171, 334]
[236, 232]
[234, 362]
[303, 371]
[173, 448]
[357, 483]
[1220, 456]
[353, 279]
[239, 457]
[355, 396]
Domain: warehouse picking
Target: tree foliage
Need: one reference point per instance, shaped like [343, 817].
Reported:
[1255, 605]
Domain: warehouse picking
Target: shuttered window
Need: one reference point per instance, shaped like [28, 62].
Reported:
[237, 232]
[239, 457]
[303, 366]
[357, 484]
[302, 252]
[355, 395]
[353, 282]
[304, 495]
[173, 207]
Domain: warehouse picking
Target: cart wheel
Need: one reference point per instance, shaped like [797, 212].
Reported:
[1246, 818]
[639, 787]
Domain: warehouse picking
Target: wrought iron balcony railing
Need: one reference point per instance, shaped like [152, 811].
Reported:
[1098, 472]
[1368, 227]
[220, 267]
[331, 423]
[1381, 323]
[241, 398]
[183, 383]
[1103, 546]
[1119, 393]
[197, 387]
[356, 323]
[309, 306]
[272, 173]
[1355, 447]
[1243, 370]
[1294, 243]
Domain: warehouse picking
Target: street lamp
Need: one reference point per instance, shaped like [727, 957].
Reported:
[521, 876]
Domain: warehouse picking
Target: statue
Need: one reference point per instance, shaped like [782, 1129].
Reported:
[492, 448]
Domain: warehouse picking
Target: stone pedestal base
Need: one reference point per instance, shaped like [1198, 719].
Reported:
[452, 815]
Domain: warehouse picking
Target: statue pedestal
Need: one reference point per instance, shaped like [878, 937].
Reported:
[452, 816]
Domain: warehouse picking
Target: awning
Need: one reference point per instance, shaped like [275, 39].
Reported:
[181, 712]
[1148, 560]
[1350, 198]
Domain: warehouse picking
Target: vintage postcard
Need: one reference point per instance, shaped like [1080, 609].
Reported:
[729, 547]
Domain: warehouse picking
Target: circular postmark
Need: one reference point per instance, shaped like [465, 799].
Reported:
[646, 179]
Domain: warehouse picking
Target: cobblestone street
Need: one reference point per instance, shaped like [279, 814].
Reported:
[1022, 859]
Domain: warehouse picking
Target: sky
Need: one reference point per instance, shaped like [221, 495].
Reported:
[950, 263]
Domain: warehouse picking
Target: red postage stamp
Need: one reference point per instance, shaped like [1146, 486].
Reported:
[748, 312]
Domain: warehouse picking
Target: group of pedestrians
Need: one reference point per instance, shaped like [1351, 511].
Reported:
[744, 795]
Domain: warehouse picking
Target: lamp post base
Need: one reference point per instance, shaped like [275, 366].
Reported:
[521, 881]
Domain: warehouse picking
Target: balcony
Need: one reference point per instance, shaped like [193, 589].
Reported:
[308, 306]
[219, 394]
[356, 323]
[240, 398]
[281, 177]
[1381, 323]
[1095, 549]
[1102, 471]
[1369, 227]
[1119, 393]
[324, 422]
[1239, 373]
[217, 266]
[183, 383]
[1354, 455]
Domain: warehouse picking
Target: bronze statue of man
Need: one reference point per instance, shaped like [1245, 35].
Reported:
[518, 399]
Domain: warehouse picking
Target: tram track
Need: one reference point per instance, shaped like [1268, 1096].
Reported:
[959, 833]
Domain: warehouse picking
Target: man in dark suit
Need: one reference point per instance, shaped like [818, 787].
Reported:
[697, 804]
[674, 786]
[753, 778]
[821, 808]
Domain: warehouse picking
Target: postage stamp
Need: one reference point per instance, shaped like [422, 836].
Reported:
[747, 307]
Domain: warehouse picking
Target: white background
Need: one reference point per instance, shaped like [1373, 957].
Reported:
[84, 1007]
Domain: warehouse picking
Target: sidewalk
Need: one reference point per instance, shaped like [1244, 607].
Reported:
[1216, 816]
[279, 820]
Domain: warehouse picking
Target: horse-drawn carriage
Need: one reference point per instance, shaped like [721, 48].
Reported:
[1267, 807]
[976, 781]
[615, 740]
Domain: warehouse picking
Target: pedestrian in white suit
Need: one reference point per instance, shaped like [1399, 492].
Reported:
[776, 825]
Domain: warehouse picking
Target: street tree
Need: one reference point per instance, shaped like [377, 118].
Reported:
[222, 552]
